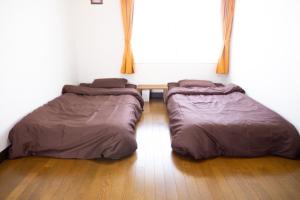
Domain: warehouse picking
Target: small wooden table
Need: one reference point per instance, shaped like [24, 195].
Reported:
[149, 87]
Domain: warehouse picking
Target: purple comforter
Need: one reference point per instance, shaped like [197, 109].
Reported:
[84, 123]
[223, 121]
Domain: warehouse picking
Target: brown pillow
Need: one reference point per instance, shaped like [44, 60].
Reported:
[128, 85]
[172, 85]
[196, 83]
[219, 84]
[109, 83]
[85, 84]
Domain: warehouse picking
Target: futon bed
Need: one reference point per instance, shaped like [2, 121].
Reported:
[85, 122]
[209, 120]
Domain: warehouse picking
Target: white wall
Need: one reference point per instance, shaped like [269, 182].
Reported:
[265, 58]
[35, 57]
[99, 49]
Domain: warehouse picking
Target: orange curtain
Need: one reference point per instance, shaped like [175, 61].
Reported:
[227, 13]
[127, 15]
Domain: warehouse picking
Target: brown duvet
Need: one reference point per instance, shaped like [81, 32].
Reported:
[223, 121]
[84, 123]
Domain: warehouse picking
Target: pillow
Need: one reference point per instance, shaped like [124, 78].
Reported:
[219, 84]
[85, 84]
[196, 83]
[128, 85]
[172, 85]
[109, 83]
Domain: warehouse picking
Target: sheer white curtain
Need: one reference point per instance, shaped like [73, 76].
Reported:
[177, 31]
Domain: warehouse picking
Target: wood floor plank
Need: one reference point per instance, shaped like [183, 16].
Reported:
[153, 172]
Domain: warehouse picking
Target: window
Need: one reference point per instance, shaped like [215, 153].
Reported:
[177, 31]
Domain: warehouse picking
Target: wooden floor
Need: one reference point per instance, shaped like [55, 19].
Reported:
[153, 172]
